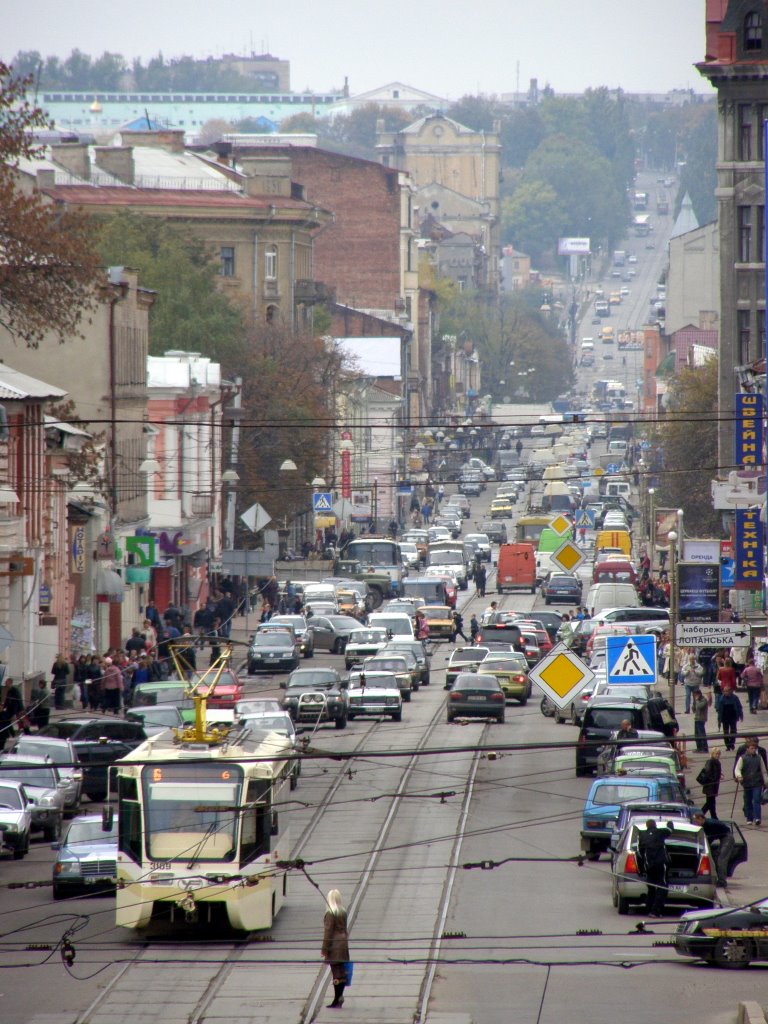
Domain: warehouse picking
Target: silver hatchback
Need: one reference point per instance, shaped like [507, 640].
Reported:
[44, 788]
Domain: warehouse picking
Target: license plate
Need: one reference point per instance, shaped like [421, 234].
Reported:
[677, 888]
[479, 699]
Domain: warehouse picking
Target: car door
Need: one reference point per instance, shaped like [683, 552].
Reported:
[322, 633]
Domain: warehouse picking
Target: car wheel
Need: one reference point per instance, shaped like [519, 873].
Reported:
[558, 716]
[341, 723]
[309, 653]
[547, 601]
[350, 717]
[397, 716]
[251, 669]
[415, 687]
[59, 893]
[622, 904]
[500, 718]
[523, 701]
[407, 697]
[21, 851]
[733, 953]
[339, 645]
[425, 682]
[449, 717]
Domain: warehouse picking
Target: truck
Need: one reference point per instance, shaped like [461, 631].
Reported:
[619, 257]
[662, 203]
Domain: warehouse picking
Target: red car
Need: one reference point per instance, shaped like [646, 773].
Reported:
[228, 689]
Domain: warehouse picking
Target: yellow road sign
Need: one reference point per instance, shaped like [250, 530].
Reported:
[560, 525]
[561, 675]
[568, 556]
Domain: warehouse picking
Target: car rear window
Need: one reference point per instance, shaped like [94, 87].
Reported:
[609, 718]
[619, 794]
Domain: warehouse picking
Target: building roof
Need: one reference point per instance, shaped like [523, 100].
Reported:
[686, 218]
[16, 386]
[416, 127]
[92, 195]
[373, 357]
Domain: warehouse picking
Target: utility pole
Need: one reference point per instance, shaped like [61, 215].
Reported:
[234, 453]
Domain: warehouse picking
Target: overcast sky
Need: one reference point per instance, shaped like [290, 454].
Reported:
[442, 46]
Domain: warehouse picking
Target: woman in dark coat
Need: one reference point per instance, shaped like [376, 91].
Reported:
[709, 780]
[336, 945]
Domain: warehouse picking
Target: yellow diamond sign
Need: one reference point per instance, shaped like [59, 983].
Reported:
[561, 675]
[560, 525]
[568, 556]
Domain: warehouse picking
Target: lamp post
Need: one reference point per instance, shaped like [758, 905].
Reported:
[672, 536]
[374, 503]
[287, 466]
[652, 524]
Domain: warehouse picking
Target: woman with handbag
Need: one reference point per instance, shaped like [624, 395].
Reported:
[709, 780]
[335, 949]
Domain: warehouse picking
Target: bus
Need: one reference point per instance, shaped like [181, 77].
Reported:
[198, 833]
[378, 554]
[640, 201]
[642, 224]
[528, 528]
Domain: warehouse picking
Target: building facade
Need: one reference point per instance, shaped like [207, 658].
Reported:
[693, 279]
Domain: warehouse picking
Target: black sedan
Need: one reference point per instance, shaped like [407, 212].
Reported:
[728, 937]
[561, 588]
[273, 651]
[315, 696]
[476, 696]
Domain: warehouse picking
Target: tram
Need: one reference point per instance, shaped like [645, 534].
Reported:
[199, 836]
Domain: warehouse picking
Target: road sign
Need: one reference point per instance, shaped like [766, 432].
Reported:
[585, 519]
[631, 659]
[561, 674]
[713, 634]
[613, 467]
[568, 557]
[560, 525]
[247, 562]
[256, 517]
[321, 501]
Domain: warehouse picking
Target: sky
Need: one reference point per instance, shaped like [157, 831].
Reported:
[440, 46]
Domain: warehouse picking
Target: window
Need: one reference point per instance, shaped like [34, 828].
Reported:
[270, 263]
[745, 234]
[227, 261]
[761, 329]
[762, 114]
[744, 335]
[272, 314]
[753, 31]
[129, 818]
[256, 822]
[760, 256]
[745, 131]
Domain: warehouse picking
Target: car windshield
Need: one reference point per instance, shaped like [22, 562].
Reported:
[144, 696]
[606, 718]
[31, 775]
[156, 716]
[501, 663]
[9, 797]
[343, 622]
[313, 677]
[288, 620]
[64, 730]
[617, 794]
[59, 753]
[83, 832]
[367, 636]
[476, 682]
[373, 681]
[275, 638]
[273, 723]
[387, 665]
[253, 707]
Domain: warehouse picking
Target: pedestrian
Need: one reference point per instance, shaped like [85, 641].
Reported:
[700, 715]
[12, 711]
[709, 779]
[518, 447]
[753, 678]
[627, 731]
[739, 656]
[652, 852]
[93, 682]
[489, 612]
[214, 639]
[721, 843]
[690, 675]
[422, 626]
[458, 626]
[335, 949]
[40, 705]
[202, 621]
[749, 772]
[426, 512]
[731, 713]
[480, 580]
[112, 686]
[150, 636]
[152, 615]
[474, 627]
[80, 677]
[224, 609]
[60, 674]
[740, 751]
[136, 642]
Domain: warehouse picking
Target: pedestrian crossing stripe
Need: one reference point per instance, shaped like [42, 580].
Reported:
[322, 502]
[631, 659]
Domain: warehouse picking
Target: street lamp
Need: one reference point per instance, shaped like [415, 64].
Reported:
[672, 536]
[652, 524]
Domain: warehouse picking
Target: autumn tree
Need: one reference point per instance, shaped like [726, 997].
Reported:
[49, 260]
[687, 435]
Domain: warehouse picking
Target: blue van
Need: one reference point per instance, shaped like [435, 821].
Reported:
[608, 795]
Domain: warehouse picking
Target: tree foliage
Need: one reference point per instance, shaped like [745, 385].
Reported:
[190, 313]
[531, 217]
[49, 262]
[688, 439]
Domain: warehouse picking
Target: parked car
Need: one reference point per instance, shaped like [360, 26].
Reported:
[99, 742]
[724, 936]
[475, 695]
[315, 696]
[63, 755]
[463, 659]
[15, 819]
[273, 651]
[155, 720]
[602, 717]
[43, 788]
[228, 689]
[87, 858]
[374, 693]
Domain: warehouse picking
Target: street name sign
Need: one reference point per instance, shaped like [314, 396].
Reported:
[713, 634]
[561, 674]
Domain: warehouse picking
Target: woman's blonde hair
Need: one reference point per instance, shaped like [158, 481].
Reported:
[334, 902]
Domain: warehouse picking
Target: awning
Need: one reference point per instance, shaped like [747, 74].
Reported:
[109, 583]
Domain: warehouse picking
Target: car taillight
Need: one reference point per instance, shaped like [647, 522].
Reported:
[630, 866]
[497, 696]
[519, 679]
[454, 695]
[705, 865]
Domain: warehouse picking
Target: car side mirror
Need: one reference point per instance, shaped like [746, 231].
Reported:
[283, 684]
[56, 846]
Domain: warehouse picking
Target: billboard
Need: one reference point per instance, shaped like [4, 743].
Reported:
[749, 555]
[701, 551]
[666, 521]
[361, 506]
[573, 247]
[748, 429]
[698, 592]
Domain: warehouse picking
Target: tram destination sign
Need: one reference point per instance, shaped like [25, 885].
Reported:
[713, 634]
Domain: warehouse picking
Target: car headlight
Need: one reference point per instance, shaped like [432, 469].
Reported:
[67, 867]
[9, 826]
[46, 801]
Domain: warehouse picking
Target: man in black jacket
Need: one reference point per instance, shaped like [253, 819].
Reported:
[652, 850]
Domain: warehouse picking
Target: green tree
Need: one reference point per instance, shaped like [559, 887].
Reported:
[688, 437]
[532, 219]
[522, 130]
[698, 153]
[476, 112]
[190, 313]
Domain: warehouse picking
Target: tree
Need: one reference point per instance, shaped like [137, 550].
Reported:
[522, 130]
[190, 313]
[688, 438]
[532, 219]
[479, 113]
[49, 260]
[213, 129]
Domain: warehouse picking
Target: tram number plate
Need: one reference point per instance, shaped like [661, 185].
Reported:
[159, 865]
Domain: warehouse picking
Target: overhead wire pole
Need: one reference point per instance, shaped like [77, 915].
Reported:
[234, 454]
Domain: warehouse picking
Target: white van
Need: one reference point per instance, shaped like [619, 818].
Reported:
[611, 595]
[395, 623]
[617, 489]
[587, 352]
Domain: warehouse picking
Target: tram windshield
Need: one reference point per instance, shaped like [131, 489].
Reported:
[190, 811]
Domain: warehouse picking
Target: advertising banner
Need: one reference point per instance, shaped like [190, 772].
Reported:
[748, 558]
[698, 592]
[748, 429]
[666, 521]
[572, 246]
[702, 551]
[77, 549]
[361, 506]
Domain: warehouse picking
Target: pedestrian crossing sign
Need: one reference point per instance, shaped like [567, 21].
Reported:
[585, 519]
[321, 502]
[631, 659]
[560, 525]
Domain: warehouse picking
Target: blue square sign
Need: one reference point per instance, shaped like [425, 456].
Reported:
[631, 659]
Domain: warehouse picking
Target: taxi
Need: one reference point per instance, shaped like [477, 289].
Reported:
[501, 508]
[511, 671]
[614, 299]
[350, 602]
[439, 619]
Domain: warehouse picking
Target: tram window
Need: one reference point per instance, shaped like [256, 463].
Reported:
[256, 823]
[129, 819]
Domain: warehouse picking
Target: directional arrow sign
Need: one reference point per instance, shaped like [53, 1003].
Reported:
[713, 634]
[561, 675]
[568, 557]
